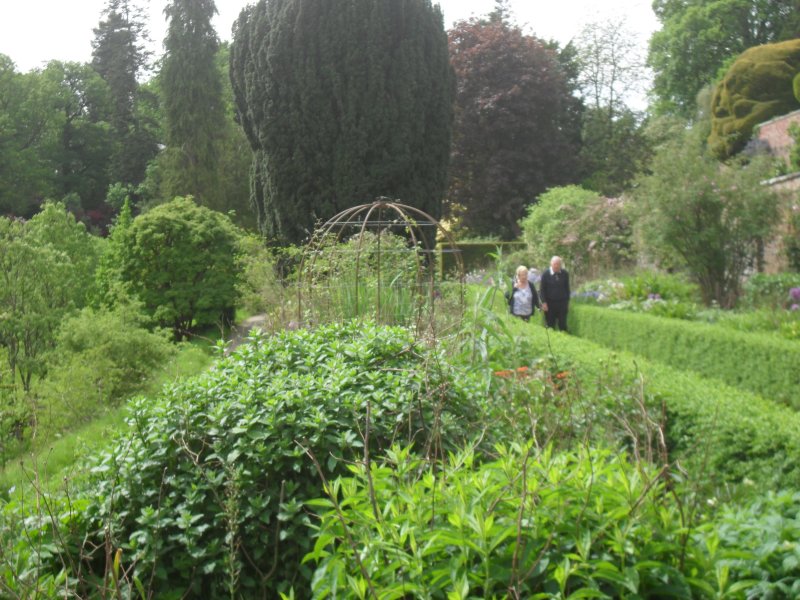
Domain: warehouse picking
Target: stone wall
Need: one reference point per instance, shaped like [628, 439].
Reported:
[788, 188]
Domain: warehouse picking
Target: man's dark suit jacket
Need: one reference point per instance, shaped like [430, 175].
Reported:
[554, 286]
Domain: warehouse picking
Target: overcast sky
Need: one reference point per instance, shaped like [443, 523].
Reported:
[35, 31]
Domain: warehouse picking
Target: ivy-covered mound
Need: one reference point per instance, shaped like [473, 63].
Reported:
[757, 87]
[205, 496]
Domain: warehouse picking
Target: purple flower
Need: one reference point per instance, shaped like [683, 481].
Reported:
[654, 296]
[794, 307]
[794, 294]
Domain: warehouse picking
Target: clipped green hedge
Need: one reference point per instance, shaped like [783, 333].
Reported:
[763, 364]
[720, 433]
[474, 255]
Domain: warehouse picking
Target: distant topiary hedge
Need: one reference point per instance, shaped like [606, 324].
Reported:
[762, 364]
[757, 87]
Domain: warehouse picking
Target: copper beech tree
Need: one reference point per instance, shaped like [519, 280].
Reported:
[517, 125]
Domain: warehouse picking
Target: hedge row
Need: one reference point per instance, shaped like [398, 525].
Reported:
[760, 363]
[474, 255]
[719, 432]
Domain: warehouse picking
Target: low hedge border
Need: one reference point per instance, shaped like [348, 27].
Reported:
[719, 432]
[760, 363]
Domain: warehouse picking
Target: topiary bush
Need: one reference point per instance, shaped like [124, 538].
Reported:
[757, 87]
[205, 497]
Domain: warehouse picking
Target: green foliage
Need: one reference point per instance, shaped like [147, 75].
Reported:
[591, 232]
[27, 128]
[474, 255]
[711, 219]
[381, 276]
[205, 495]
[768, 291]
[179, 259]
[517, 125]
[760, 364]
[119, 56]
[342, 103]
[697, 37]
[542, 525]
[194, 129]
[757, 87]
[720, 434]
[100, 357]
[794, 153]
[518, 526]
[46, 269]
[762, 536]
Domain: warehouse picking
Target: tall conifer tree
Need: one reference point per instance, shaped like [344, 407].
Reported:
[193, 106]
[342, 102]
[119, 56]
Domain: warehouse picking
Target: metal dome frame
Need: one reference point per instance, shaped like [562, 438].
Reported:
[384, 215]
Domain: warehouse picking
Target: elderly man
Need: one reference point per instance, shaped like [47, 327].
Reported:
[554, 294]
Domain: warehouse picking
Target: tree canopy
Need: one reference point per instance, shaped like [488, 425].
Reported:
[179, 260]
[192, 102]
[516, 129]
[342, 103]
[709, 218]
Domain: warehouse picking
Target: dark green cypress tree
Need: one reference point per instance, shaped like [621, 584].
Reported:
[342, 102]
[194, 116]
[119, 56]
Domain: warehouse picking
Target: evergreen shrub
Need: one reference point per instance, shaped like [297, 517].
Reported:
[759, 363]
[205, 497]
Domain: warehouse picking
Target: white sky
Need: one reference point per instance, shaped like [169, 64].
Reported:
[35, 31]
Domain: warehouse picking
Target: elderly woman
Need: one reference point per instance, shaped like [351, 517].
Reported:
[523, 299]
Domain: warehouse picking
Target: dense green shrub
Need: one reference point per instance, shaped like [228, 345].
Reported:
[179, 260]
[205, 497]
[536, 524]
[590, 231]
[708, 220]
[755, 362]
[101, 357]
[532, 524]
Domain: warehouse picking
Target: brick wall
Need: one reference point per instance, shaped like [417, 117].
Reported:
[776, 134]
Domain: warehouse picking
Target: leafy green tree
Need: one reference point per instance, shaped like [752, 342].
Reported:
[697, 37]
[191, 90]
[81, 155]
[46, 269]
[27, 133]
[515, 131]
[111, 287]
[342, 102]
[709, 218]
[614, 147]
[120, 57]
[180, 260]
